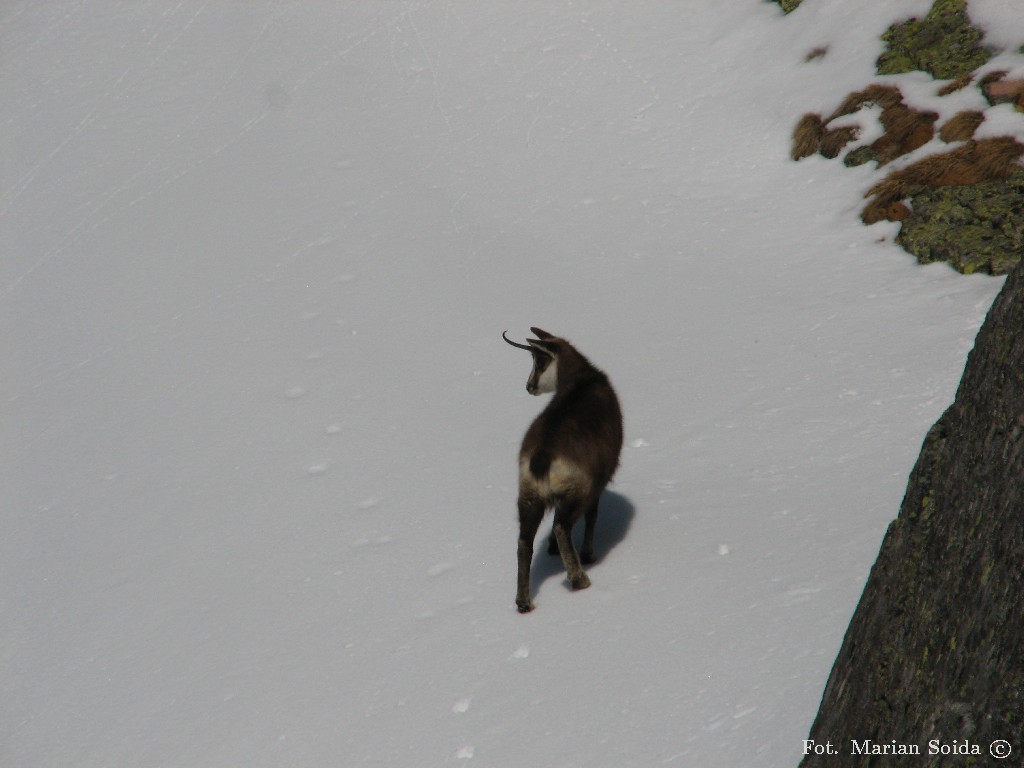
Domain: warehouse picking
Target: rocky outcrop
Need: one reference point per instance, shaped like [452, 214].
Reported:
[962, 202]
[788, 6]
[944, 44]
[963, 205]
[933, 658]
[985, 217]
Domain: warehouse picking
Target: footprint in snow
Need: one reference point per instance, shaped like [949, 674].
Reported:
[799, 595]
[440, 568]
[366, 541]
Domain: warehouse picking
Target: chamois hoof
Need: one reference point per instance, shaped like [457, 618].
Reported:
[587, 558]
[525, 607]
[581, 582]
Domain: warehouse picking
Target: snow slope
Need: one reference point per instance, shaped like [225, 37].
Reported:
[259, 427]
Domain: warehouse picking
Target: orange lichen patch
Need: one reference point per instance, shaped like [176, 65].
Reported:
[974, 162]
[997, 158]
[876, 211]
[882, 95]
[807, 136]
[905, 130]
[961, 126]
[833, 141]
[1005, 91]
[991, 77]
[956, 85]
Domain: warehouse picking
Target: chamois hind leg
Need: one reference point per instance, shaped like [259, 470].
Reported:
[565, 515]
[531, 511]
[552, 539]
[552, 543]
[587, 552]
[589, 519]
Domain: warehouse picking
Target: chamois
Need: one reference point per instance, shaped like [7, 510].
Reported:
[568, 455]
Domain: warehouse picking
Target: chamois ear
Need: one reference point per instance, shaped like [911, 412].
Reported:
[546, 347]
[541, 334]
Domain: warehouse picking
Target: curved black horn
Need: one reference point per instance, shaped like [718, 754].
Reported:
[527, 347]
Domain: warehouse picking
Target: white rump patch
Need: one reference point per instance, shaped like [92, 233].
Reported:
[563, 478]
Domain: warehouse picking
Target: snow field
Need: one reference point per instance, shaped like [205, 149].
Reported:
[260, 427]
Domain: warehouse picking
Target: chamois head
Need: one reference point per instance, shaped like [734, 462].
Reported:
[545, 351]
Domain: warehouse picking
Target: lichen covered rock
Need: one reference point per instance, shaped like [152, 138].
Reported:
[944, 43]
[788, 5]
[973, 162]
[987, 219]
[964, 203]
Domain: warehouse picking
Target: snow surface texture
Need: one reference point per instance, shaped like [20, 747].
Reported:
[259, 425]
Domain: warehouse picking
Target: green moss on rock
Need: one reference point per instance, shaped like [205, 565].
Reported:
[859, 156]
[976, 227]
[788, 5]
[943, 43]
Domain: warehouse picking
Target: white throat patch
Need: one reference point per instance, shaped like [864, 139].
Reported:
[548, 381]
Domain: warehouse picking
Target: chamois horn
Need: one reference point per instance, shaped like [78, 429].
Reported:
[527, 347]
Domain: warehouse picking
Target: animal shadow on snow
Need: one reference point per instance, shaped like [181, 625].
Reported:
[614, 516]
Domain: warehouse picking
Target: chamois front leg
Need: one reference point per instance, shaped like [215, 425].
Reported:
[562, 531]
[531, 511]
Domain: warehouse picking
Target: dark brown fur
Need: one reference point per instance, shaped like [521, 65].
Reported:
[568, 456]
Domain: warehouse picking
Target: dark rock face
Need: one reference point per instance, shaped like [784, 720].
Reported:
[934, 655]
